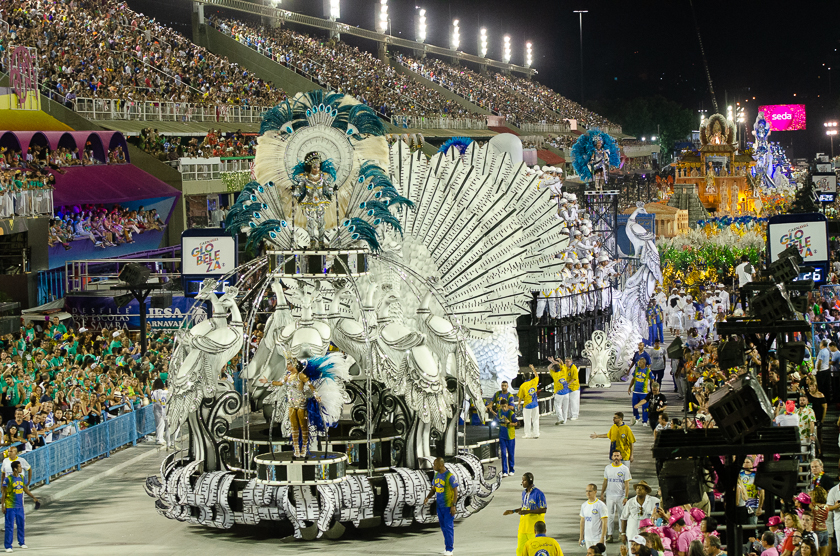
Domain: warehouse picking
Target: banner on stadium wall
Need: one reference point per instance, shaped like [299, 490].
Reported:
[647, 221]
[94, 312]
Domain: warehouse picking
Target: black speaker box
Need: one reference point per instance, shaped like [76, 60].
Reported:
[681, 482]
[740, 407]
[778, 477]
[161, 301]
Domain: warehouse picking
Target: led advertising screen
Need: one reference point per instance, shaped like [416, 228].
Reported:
[784, 117]
[825, 183]
[809, 233]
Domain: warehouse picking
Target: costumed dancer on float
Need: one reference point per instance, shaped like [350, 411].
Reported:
[314, 191]
[310, 396]
[593, 154]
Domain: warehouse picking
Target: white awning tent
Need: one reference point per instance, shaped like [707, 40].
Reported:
[47, 310]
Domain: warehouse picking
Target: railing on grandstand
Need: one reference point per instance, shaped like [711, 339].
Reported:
[163, 111]
[101, 274]
[423, 122]
[68, 453]
[52, 283]
[547, 128]
[193, 169]
[830, 330]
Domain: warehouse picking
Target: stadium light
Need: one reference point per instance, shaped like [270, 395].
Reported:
[421, 25]
[456, 36]
[382, 21]
[335, 9]
[653, 138]
[506, 56]
[528, 55]
[482, 43]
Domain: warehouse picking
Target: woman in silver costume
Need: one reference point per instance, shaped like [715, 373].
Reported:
[295, 385]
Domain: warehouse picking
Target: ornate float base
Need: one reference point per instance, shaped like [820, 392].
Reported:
[321, 508]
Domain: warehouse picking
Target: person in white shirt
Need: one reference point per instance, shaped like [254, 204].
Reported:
[833, 504]
[635, 510]
[615, 491]
[593, 518]
[6, 468]
[744, 271]
[159, 396]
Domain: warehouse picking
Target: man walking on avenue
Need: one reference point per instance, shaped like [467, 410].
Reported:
[657, 361]
[638, 387]
[635, 510]
[445, 488]
[593, 518]
[527, 393]
[532, 510]
[541, 545]
[615, 492]
[507, 437]
[621, 437]
[12, 495]
[562, 393]
[574, 386]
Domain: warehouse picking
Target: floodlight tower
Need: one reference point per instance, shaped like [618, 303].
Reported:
[383, 22]
[506, 50]
[382, 17]
[332, 9]
[482, 43]
[456, 35]
[421, 25]
[831, 131]
[529, 55]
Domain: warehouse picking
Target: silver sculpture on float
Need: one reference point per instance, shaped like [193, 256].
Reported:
[400, 262]
[610, 353]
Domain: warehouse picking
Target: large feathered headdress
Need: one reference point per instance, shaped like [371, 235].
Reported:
[585, 146]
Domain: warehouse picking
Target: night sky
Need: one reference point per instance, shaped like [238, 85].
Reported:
[767, 50]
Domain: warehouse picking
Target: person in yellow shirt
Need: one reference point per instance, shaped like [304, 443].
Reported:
[532, 510]
[574, 387]
[541, 545]
[621, 437]
[531, 413]
[560, 375]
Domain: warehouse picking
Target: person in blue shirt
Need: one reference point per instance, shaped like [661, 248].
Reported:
[532, 510]
[12, 494]
[639, 384]
[641, 354]
[650, 314]
[507, 436]
[493, 405]
[660, 319]
[445, 488]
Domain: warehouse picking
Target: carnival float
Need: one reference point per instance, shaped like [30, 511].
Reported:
[395, 282]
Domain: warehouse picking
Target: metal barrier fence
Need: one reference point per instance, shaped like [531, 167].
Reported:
[546, 128]
[160, 111]
[422, 122]
[194, 169]
[69, 453]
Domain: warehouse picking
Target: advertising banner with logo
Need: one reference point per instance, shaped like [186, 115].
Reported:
[784, 117]
[94, 312]
[809, 234]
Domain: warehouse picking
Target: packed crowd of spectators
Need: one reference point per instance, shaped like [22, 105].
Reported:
[100, 49]
[215, 144]
[542, 95]
[344, 69]
[482, 91]
[102, 226]
[57, 381]
[562, 142]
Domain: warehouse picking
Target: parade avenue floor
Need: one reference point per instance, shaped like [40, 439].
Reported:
[109, 512]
